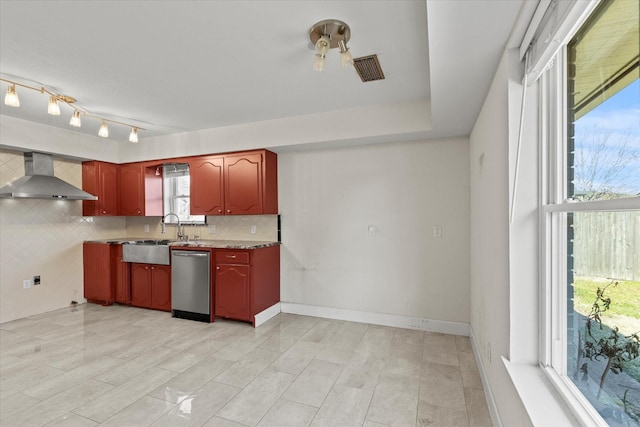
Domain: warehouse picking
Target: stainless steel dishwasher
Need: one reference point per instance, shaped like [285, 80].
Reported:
[190, 285]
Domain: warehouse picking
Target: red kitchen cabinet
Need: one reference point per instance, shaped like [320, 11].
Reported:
[243, 184]
[140, 285]
[233, 291]
[100, 179]
[207, 186]
[235, 184]
[161, 287]
[97, 273]
[246, 282]
[140, 191]
[151, 286]
[131, 189]
[122, 276]
[251, 183]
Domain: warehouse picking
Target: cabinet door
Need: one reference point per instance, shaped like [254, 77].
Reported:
[132, 190]
[243, 184]
[108, 194]
[161, 287]
[97, 272]
[232, 291]
[100, 179]
[141, 285]
[206, 187]
[121, 276]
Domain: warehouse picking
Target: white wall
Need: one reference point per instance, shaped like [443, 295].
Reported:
[329, 197]
[22, 135]
[490, 251]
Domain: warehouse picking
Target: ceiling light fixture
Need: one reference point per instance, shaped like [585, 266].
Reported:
[11, 99]
[330, 34]
[75, 119]
[133, 136]
[54, 108]
[104, 130]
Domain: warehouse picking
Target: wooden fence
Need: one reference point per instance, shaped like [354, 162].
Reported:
[607, 244]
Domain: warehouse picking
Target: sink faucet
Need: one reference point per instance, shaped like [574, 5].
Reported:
[179, 233]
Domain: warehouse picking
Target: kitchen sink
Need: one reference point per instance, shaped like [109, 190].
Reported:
[146, 251]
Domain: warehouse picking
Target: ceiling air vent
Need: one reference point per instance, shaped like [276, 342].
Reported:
[368, 68]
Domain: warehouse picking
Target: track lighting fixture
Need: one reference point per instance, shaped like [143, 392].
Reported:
[330, 34]
[11, 99]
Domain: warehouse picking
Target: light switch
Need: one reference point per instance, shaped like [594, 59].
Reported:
[211, 228]
[437, 231]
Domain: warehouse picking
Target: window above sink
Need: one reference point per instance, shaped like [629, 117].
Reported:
[176, 194]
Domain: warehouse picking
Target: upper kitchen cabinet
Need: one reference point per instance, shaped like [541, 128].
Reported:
[140, 191]
[207, 185]
[235, 184]
[101, 179]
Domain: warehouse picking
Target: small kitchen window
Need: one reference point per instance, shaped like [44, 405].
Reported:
[176, 194]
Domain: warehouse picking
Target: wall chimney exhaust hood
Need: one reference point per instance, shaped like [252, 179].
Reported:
[39, 182]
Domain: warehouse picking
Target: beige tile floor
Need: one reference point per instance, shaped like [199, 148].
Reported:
[123, 366]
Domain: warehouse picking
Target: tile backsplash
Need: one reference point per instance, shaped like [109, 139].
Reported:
[232, 227]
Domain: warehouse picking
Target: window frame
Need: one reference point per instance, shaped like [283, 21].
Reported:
[554, 207]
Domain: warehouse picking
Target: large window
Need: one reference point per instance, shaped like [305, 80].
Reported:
[592, 214]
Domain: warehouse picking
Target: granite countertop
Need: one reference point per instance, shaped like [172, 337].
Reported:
[214, 244]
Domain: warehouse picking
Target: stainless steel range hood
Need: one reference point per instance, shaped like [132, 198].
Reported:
[39, 182]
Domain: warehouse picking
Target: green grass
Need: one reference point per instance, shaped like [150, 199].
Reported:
[625, 302]
[625, 297]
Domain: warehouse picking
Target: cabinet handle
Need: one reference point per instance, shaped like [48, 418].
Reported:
[138, 211]
[146, 267]
[153, 268]
[231, 256]
[219, 210]
[104, 212]
[228, 210]
[217, 268]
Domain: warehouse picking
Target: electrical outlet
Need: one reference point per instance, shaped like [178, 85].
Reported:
[146, 228]
[36, 280]
[253, 229]
[26, 283]
[211, 228]
[437, 231]
[371, 230]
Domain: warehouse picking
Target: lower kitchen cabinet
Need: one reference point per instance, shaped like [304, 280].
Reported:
[122, 276]
[97, 273]
[233, 289]
[151, 286]
[246, 282]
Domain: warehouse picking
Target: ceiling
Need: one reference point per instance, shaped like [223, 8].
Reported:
[180, 66]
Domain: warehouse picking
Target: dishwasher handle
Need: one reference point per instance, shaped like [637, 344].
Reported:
[190, 254]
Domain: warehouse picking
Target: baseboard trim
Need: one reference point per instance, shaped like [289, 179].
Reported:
[491, 402]
[266, 314]
[407, 322]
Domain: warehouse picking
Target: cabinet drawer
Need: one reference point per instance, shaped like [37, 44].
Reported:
[234, 257]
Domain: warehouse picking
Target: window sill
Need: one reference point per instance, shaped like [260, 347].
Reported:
[544, 404]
